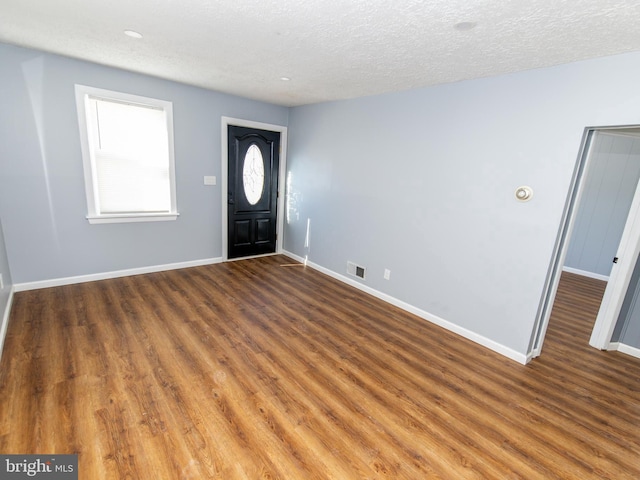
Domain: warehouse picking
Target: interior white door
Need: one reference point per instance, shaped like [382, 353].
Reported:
[619, 278]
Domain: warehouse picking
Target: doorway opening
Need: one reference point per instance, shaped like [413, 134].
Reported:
[600, 232]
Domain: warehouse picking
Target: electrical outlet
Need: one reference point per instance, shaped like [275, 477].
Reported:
[209, 180]
[387, 274]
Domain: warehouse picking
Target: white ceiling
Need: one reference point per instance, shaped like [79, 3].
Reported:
[331, 49]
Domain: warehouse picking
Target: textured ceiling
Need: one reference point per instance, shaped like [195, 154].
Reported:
[331, 49]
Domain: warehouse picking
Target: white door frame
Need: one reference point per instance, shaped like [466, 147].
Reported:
[562, 245]
[237, 122]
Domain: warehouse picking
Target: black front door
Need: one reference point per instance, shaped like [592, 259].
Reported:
[254, 156]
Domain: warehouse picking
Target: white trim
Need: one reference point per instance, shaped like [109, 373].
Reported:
[452, 327]
[628, 349]
[237, 122]
[5, 320]
[128, 218]
[584, 273]
[57, 282]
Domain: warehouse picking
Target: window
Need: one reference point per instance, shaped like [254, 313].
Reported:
[253, 174]
[127, 149]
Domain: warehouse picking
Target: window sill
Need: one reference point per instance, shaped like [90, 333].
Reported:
[132, 217]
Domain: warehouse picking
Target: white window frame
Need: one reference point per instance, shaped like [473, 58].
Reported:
[90, 177]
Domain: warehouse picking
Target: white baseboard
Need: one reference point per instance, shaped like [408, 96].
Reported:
[623, 348]
[584, 273]
[5, 320]
[57, 282]
[452, 327]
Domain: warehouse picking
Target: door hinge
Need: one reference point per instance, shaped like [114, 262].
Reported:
[615, 259]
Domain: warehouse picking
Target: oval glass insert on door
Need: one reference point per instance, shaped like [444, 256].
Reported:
[253, 174]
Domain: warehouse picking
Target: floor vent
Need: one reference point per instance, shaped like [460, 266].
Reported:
[355, 270]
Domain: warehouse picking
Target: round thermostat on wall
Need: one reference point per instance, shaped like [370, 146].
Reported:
[524, 193]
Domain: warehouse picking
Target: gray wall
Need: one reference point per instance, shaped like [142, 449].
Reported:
[422, 183]
[612, 177]
[42, 198]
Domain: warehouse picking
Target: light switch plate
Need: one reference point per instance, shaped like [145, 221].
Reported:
[209, 180]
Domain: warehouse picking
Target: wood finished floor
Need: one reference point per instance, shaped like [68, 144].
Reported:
[252, 370]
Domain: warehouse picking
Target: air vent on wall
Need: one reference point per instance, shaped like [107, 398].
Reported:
[355, 270]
